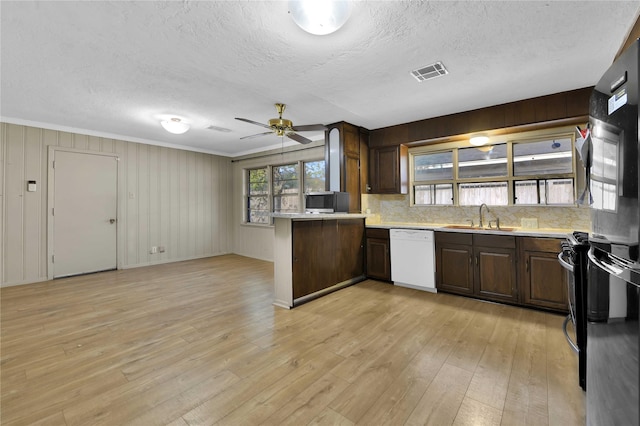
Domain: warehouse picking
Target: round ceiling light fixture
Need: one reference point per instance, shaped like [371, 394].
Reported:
[320, 17]
[479, 140]
[175, 125]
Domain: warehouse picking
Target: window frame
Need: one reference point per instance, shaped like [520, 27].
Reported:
[510, 140]
[247, 195]
[270, 192]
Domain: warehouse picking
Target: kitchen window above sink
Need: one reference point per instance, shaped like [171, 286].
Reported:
[532, 168]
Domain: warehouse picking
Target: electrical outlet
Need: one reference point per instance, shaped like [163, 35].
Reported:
[153, 250]
[161, 249]
[529, 223]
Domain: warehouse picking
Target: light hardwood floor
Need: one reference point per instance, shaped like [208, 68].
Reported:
[199, 343]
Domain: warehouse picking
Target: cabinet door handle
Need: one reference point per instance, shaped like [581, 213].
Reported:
[526, 266]
[476, 260]
[470, 260]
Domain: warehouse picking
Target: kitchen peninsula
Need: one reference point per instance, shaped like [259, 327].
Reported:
[316, 254]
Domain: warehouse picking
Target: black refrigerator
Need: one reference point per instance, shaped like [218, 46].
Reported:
[613, 287]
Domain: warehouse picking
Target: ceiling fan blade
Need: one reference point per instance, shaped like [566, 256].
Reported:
[309, 128]
[255, 136]
[246, 120]
[296, 137]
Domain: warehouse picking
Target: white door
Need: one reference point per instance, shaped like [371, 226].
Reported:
[84, 213]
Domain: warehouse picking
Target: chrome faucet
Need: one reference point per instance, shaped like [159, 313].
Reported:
[481, 206]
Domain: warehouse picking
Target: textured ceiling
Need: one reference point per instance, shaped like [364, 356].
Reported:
[115, 68]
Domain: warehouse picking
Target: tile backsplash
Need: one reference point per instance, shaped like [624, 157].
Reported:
[396, 208]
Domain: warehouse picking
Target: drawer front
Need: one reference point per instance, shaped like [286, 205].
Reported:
[551, 245]
[463, 238]
[381, 233]
[487, 240]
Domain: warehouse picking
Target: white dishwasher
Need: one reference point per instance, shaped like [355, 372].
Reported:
[413, 261]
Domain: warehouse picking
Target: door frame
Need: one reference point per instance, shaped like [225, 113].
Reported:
[51, 200]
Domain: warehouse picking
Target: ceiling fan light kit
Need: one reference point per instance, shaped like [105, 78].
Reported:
[175, 125]
[320, 17]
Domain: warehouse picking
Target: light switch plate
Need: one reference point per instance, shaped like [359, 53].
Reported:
[529, 223]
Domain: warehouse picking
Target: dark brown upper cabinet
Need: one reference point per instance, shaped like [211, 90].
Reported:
[388, 172]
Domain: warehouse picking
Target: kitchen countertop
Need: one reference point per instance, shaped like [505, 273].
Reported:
[317, 216]
[518, 232]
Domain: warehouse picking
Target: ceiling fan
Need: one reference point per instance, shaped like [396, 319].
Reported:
[283, 127]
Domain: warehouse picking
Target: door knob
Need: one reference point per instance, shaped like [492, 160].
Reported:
[112, 221]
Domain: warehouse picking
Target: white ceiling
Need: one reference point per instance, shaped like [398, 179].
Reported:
[114, 68]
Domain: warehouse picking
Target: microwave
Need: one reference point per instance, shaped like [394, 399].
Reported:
[326, 202]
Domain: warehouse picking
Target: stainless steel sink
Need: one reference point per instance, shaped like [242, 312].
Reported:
[475, 228]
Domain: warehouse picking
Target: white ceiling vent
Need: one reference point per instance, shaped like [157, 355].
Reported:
[218, 129]
[430, 71]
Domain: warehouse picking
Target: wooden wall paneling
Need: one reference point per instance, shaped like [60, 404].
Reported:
[218, 205]
[181, 204]
[577, 102]
[153, 206]
[556, 108]
[65, 140]
[80, 141]
[14, 205]
[529, 112]
[3, 153]
[33, 156]
[224, 173]
[200, 201]
[120, 148]
[207, 200]
[144, 199]
[132, 200]
[175, 204]
[524, 112]
[164, 175]
[173, 245]
[94, 143]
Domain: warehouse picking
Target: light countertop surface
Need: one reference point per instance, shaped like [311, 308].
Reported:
[518, 232]
[317, 216]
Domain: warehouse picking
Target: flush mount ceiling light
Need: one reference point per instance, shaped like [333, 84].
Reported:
[320, 17]
[175, 125]
[478, 140]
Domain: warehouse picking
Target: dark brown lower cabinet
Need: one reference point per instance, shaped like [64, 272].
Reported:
[378, 257]
[454, 262]
[326, 253]
[349, 250]
[502, 268]
[543, 280]
[495, 272]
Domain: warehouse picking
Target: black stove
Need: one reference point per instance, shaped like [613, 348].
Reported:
[575, 261]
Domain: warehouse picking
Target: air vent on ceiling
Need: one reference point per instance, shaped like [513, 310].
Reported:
[430, 71]
[219, 129]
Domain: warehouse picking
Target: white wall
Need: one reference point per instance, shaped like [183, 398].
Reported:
[257, 240]
[181, 201]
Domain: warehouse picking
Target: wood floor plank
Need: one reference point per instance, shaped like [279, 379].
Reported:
[475, 413]
[395, 405]
[310, 403]
[491, 378]
[328, 417]
[527, 391]
[200, 342]
[312, 366]
[440, 403]
[566, 398]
